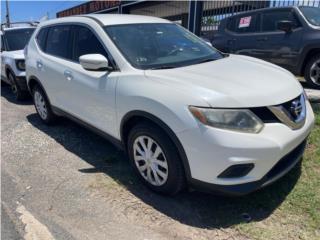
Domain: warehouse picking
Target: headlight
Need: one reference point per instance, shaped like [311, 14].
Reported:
[242, 120]
[21, 65]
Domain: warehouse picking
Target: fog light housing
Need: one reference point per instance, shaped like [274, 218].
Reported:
[236, 171]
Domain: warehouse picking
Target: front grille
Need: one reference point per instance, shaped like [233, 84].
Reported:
[265, 115]
[287, 160]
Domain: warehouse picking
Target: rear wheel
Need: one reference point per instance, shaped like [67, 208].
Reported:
[312, 72]
[42, 105]
[155, 159]
[18, 93]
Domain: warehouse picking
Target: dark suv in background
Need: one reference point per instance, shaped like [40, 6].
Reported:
[288, 37]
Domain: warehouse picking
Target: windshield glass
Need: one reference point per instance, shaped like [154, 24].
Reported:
[18, 39]
[160, 45]
[312, 14]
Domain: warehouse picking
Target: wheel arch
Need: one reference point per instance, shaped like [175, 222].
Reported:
[32, 81]
[132, 118]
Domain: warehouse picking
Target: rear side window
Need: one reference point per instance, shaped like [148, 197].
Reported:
[244, 24]
[270, 20]
[86, 42]
[58, 41]
[41, 38]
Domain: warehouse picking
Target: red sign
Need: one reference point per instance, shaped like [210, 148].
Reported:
[89, 7]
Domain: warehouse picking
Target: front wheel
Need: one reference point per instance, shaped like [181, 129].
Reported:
[155, 159]
[18, 93]
[312, 72]
[42, 105]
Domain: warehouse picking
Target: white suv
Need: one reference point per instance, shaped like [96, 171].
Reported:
[13, 41]
[184, 112]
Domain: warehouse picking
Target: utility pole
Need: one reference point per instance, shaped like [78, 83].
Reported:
[8, 15]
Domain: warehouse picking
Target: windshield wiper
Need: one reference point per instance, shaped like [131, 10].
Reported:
[162, 67]
[206, 60]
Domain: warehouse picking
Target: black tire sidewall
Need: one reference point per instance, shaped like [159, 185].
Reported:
[19, 94]
[307, 72]
[176, 177]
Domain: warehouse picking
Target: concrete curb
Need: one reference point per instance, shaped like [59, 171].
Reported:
[313, 95]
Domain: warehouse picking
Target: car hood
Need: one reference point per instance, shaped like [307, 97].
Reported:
[234, 81]
[18, 54]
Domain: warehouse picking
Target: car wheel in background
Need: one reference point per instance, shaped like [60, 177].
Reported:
[312, 72]
[18, 93]
[42, 105]
[155, 159]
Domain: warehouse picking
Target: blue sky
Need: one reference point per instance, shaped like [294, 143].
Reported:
[34, 10]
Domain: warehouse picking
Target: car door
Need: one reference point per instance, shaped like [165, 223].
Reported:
[277, 46]
[55, 54]
[90, 94]
[245, 29]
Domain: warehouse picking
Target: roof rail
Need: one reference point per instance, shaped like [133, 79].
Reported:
[30, 23]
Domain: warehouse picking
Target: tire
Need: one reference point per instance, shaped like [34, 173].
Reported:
[18, 93]
[312, 72]
[167, 162]
[42, 105]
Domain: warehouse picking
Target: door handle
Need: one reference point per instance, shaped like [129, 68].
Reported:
[262, 39]
[68, 75]
[39, 64]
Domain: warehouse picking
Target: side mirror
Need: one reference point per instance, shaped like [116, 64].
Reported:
[207, 41]
[285, 26]
[94, 62]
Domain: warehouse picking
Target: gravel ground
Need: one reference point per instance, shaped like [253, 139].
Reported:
[78, 186]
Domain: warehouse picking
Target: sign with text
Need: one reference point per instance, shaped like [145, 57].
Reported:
[89, 7]
[245, 22]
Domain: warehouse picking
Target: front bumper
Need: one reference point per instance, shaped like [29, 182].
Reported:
[22, 83]
[273, 151]
[280, 169]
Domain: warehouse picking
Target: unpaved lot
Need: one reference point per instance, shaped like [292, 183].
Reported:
[64, 182]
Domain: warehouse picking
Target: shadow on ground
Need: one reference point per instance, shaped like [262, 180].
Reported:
[191, 208]
[7, 94]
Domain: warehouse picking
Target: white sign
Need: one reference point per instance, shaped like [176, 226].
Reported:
[245, 22]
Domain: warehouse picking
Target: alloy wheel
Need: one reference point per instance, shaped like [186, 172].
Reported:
[150, 160]
[315, 72]
[40, 104]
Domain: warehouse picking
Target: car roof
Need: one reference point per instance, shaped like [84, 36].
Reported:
[109, 19]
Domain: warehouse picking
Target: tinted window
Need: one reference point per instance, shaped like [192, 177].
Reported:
[86, 42]
[41, 38]
[2, 44]
[244, 24]
[58, 43]
[271, 19]
[18, 39]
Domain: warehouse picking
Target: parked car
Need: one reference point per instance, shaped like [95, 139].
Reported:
[13, 41]
[171, 101]
[288, 37]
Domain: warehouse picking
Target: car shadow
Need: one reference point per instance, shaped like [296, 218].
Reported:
[7, 94]
[190, 207]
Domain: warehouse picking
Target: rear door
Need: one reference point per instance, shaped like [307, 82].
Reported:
[243, 30]
[277, 46]
[54, 56]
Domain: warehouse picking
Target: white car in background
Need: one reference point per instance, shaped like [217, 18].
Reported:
[185, 113]
[13, 41]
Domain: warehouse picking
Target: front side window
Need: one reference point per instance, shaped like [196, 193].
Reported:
[270, 20]
[58, 43]
[17, 39]
[86, 42]
[160, 45]
[312, 14]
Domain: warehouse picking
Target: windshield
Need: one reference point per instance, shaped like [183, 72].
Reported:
[18, 39]
[160, 45]
[312, 14]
